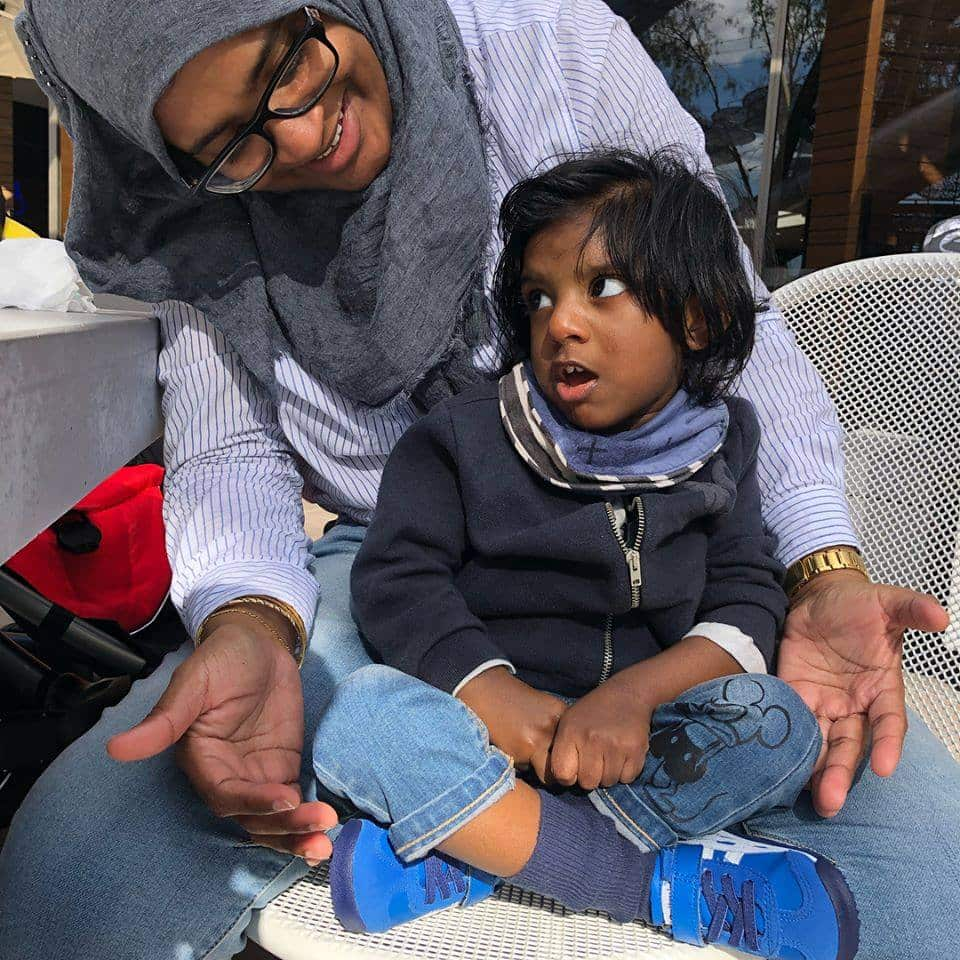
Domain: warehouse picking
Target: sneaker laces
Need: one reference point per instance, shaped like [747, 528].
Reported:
[743, 910]
[440, 876]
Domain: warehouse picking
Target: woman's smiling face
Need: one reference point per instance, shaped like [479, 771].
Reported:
[217, 92]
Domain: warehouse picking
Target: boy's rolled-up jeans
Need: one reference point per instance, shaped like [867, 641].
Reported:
[419, 760]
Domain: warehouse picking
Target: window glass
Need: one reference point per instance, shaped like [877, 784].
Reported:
[867, 154]
[715, 55]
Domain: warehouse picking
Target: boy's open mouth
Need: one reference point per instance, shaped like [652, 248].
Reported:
[573, 380]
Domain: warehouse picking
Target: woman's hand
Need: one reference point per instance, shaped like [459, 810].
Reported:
[234, 709]
[521, 721]
[841, 652]
[602, 739]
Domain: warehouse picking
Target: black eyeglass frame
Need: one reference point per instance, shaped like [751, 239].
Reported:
[314, 30]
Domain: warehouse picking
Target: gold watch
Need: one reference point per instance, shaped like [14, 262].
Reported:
[802, 571]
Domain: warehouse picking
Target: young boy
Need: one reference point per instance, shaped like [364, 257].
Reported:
[576, 555]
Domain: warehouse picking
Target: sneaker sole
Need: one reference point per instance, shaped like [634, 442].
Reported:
[341, 878]
[848, 918]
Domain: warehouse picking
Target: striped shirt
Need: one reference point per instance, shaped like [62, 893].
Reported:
[551, 77]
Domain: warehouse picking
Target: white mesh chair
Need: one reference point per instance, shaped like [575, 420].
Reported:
[885, 335]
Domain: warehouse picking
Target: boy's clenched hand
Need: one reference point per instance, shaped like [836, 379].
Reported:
[521, 721]
[602, 739]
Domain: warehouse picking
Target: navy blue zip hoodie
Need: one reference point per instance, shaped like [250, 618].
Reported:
[471, 556]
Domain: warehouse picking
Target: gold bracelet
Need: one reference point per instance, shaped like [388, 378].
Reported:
[802, 571]
[242, 605]
[284, 609]
[272, 630]
[295, 620]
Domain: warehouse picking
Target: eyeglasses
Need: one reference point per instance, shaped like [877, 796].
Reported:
[297, 85]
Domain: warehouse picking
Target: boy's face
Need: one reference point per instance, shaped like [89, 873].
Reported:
[604, 362]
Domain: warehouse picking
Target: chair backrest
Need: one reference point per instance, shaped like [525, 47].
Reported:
[885, 335]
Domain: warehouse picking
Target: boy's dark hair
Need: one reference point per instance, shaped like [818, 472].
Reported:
[670, 239]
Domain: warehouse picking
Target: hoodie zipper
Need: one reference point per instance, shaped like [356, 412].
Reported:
[606, 664]
[631, 554]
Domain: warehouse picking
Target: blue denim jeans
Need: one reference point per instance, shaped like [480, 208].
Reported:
[724, 751]
[126, 862]
[729, 752]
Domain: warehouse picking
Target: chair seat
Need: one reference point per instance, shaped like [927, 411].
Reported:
[874, 329]
[299, 924]
[513, 925]
[938, 702]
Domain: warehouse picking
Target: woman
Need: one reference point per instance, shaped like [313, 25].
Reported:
[309, 193]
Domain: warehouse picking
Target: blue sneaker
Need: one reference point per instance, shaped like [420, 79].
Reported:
[373, 890]
[763, 899]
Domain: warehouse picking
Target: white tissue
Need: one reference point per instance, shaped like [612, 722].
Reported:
[38, 275]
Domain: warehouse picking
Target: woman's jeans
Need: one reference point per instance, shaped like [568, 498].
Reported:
[416, 758]
[125, 861]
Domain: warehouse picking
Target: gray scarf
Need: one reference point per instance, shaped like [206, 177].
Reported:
[375, 293]
[668, 450]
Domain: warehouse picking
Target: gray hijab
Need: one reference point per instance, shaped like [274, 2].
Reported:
[376, 293]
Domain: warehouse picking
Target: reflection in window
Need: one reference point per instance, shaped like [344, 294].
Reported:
[867, 153]
[715, 55]
[866, 145]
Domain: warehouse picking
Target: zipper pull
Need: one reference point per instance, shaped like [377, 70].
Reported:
[633, 562]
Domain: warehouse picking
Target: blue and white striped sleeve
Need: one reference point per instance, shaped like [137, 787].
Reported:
[620, 98]
[232, 505]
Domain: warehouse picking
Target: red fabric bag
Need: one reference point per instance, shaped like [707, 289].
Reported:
[106, 558]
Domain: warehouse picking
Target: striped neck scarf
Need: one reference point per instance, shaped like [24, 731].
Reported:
[668, 449]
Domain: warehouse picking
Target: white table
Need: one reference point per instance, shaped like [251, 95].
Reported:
[78, 399]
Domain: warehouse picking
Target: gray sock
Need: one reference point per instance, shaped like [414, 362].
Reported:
[583, 863]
